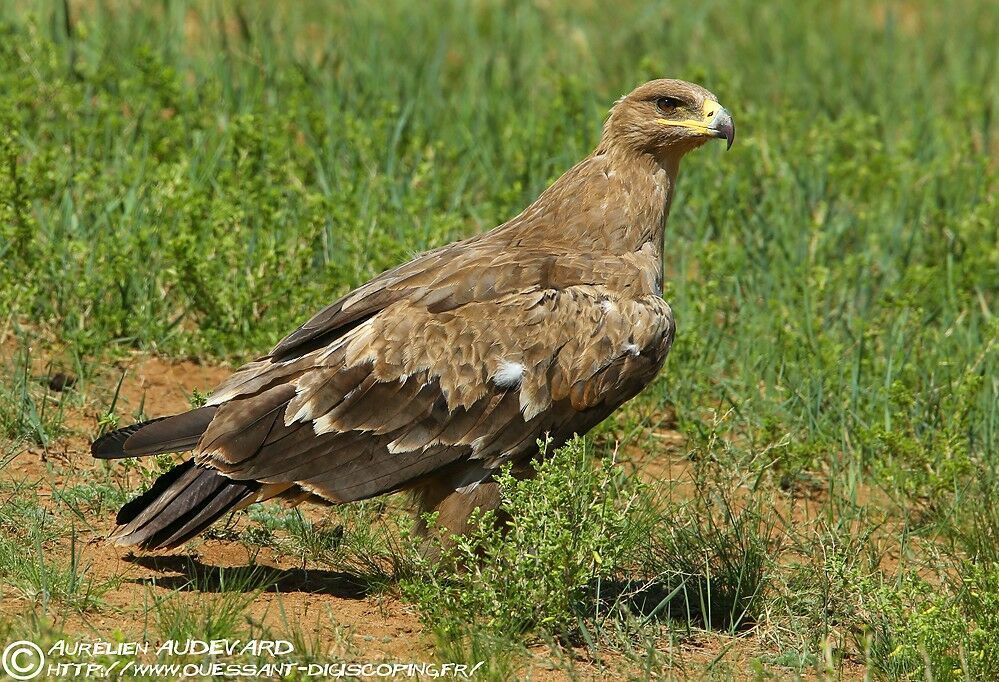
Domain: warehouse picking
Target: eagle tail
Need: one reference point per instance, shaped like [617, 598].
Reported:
[180, 504]
[167, 434]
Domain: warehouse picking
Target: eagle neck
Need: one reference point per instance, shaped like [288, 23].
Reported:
[612, 202]
[645, 186]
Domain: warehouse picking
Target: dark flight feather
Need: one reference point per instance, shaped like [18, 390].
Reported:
[177, 433]
[182, 502]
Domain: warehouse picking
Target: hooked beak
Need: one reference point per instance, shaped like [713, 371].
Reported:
[723, 127]
[715, 121]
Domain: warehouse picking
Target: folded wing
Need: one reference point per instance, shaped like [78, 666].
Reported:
[410, 391]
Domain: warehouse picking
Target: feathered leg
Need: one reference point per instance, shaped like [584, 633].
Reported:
[454, 502]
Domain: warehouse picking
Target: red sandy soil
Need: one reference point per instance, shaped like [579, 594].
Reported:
[330, 609]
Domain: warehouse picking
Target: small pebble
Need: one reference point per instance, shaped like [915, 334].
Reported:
[60, 381]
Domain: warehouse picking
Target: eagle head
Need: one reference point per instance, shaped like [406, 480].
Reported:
[667, 118]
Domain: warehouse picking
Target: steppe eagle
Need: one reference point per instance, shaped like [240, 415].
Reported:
[433, 374]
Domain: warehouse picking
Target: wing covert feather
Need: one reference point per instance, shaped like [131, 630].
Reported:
[412, 389]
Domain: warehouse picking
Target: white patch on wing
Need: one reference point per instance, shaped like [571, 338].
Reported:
[631, 349]
[323, 425]
[319, 491]
[509, 374]
[395, 448]
[206, 456]
[608, 306]
[530, 407]
[304, 414]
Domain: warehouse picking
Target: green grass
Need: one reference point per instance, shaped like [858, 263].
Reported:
[29, 409]
[54, 582]
[195, 178]
[218, 612]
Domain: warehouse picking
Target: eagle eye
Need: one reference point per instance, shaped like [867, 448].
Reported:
[667, 104]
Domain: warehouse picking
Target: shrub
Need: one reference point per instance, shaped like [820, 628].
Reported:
[922, 631]
[541, 571]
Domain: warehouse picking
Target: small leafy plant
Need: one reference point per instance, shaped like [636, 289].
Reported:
[539, 569]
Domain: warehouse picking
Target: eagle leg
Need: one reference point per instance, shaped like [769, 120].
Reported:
[454, 500]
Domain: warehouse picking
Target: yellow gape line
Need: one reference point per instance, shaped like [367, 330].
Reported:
[715, 121]
[702, 125]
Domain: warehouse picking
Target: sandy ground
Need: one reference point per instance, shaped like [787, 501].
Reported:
[331, 610]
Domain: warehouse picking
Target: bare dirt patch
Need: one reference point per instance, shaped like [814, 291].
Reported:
[337, 616]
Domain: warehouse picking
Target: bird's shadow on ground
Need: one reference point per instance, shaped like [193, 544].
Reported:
[193, 575]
